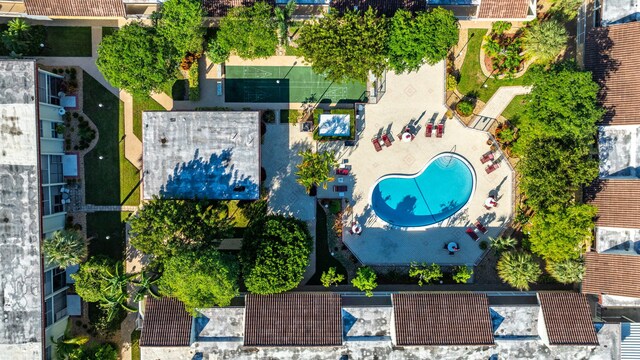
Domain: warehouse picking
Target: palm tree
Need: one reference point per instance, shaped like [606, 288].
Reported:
[518, 269]
[503, 243]
[145, 284]
[545, 40]
[315, 168]
[17, 37]
[283, 17]
[65, 248]
[566, 272]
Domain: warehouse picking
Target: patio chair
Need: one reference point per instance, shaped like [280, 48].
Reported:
[440, 130]
[429, 130]
[376, 144]
[486, 157]
[480, 227]
[472, 234]
[339, 188]
[492, 168]
[342, 171]
[386, 140]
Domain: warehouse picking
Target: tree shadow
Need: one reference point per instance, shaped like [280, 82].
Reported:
[210, 179]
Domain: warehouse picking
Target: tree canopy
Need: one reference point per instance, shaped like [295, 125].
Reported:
[249, 31]
[518, 269]
[566, 272]
[275, 254]
[545, 40]
[365, 280]
[65, 248]
[180, 23]
[427, 37]
[201, 279]
[345, 47]
[20, 38]
[135, 58]
[165, 227]
[315, 168]
[562, 233]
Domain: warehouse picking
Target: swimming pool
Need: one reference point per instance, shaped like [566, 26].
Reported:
[441, 189]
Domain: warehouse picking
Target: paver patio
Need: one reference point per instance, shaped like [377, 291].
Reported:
[418, 96]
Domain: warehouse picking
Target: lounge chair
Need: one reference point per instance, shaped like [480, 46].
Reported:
[339, 188]
[376, 144]
[486, 157]
[386, 140]
[472, 234]
[492, 168]
[440, 130]
[343, 171]
[481, 227]
[429, 130]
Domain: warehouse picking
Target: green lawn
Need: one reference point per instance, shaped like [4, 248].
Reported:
[112, 180]
[140, 104]
[68, 41]
[286, 84]
[514, 110]
[324, 260]
[471, 76]
[135, 345]
[101, 225]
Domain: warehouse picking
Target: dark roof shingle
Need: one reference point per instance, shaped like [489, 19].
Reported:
[166, 323]
[79, 8]
[293, 319]
[611, 54]
[442, 319]
[503, 9]
[387, 7]
[617, 202]
[567, 319]
[612, 274]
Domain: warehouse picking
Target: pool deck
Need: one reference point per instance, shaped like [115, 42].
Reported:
[410, 97]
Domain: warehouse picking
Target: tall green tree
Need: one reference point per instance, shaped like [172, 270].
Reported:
[180, 23]
[135, 58]
[562, 233]
[365, 280]
[545, 40]
[425, 273]
[65, 248]
[20, 38]
[315, 168]
[250, 32]
[165, 227]
[201, 279]
[283, 17]
[275, 254]
[518, 269]
[346, 47]
[427, 37]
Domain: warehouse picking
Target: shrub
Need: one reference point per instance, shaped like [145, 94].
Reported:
[503, 243]
[566, 272]
[425, 273]
[194, 82]
[506, 135]
[483, 245]
[217, 52]
[269, 116]
[331, 277]
[365, 280]
[335, 206]
[499, 27]
[465, 108]
[462, 274]
[452, 82]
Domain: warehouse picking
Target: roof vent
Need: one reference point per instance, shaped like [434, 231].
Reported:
[163, 140]
[172, 119]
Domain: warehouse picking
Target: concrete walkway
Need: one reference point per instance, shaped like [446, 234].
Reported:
[496, 105]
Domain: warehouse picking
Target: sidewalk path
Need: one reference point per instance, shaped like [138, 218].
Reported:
[496, 105]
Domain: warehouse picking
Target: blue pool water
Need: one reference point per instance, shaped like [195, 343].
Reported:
[426, 198]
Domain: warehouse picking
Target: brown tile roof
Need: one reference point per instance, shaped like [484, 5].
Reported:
[166, 323]
[611, 53]
[611, 274]
[84, 8]
[293, 319]
[567, 319]
[220, 8]
[388, 7]
[617, 202]
[503, 9]
[442, 319]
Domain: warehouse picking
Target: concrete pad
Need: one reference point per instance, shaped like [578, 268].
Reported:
[417, 97]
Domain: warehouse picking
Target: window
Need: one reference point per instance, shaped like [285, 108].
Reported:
[52, 200]
[56, 308]
[59, 279]
[51, 169]
[49, 311]
[48, 353]
[46, 202]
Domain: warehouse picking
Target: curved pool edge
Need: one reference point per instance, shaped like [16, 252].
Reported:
[472, 170]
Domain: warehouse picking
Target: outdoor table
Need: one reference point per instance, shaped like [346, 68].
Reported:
[490, 202]
[406, 137]
[356, 229]
[452, 246]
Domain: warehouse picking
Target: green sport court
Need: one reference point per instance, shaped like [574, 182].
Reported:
[286, 84]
